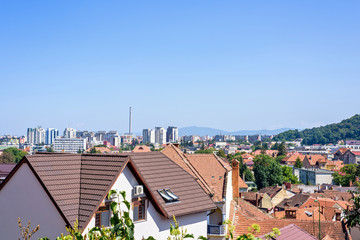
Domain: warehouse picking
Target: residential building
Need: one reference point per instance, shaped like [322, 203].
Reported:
[70, 133]
[313, 176]
[290, 231]
[39, 135]
[314, 161]
[50, 135]
[100, 136]
[69, 145]
[148, 136]
[31, 135]
[260, 200]
[291, 160]
[141, 148]
[40, 190]
[216, 177]
[277, 194]
[172, 135]
[160, 136]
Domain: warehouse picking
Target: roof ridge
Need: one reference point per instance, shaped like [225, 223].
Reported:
[221, 163]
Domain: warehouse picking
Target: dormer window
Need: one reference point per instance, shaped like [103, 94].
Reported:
[168, 195]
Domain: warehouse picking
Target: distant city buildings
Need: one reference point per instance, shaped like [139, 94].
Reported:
[69, 145]
[69, 133]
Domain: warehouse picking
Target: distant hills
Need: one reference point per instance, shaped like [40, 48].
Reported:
[347, 129]
[202, 131]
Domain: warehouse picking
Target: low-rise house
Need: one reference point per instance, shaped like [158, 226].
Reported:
[54, 190]
[314, 161]
[260, 200]
[271, 153]
[295, 201]
[215, 175]
[277, 194]
[339, 154]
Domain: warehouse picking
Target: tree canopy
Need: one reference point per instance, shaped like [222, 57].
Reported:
[12, 155]
[298, 163]
[332, 133]
[267, 171]
[346, 174]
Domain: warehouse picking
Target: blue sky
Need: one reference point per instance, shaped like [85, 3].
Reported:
[231, 65]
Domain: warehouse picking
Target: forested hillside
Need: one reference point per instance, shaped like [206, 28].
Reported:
[332, 133]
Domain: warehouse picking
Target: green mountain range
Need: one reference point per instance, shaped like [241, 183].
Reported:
[347, 129]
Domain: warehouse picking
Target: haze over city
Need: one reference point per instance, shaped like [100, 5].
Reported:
[231, 65]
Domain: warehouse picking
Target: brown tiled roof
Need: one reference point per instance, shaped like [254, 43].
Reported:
[78, 183]
[212, 171]
[159, 172]
[242, 184]
[271, 153]
[313, 159]
[293, 158]
[251, 196]
[295, 201]
[342, 150]
[5, 168]
[177, 156]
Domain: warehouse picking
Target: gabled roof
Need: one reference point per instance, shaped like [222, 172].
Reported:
[177, 156]
[78, 183]
[141, 148]
[313, 159]
[271, 191]
[293, 232]
[293, 158]
[295, 201]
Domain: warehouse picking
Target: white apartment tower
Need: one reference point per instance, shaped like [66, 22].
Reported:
[69, 145]
[50, 135]
[148, 136]
[69, 133]
[172, 134]
[160, 135]
[31, 135]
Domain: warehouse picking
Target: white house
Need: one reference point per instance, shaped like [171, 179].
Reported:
[54, 190]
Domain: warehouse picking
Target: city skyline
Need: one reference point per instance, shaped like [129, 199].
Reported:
[232, 66]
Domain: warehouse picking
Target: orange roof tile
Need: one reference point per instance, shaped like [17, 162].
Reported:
[141, 148]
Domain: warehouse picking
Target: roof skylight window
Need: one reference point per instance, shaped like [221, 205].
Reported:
[168, 195]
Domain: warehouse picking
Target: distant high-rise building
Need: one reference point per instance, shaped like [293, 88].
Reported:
[39, 136]
[50, 135]
[100, 135]
[70, 133]
[172, 134]
[31, 135]
[160, 135]
[148, 136]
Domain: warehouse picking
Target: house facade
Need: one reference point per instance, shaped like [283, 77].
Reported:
[55, 190]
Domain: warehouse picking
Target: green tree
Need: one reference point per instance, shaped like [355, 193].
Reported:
[221, 153]
[93, 150]
[267, 171]
[298, 163]
[17, 154]
[352, 215]
[49, 149]
[288, 175]
[282, 149]
[6, 157]
[346, 174]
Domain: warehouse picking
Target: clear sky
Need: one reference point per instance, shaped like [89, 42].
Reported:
[231, 65]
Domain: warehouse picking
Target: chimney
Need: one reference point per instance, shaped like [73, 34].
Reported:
[350, 184]
[356, 179]
[235, 179]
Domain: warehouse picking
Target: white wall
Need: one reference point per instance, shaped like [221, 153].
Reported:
[24, 197]
[156, 225]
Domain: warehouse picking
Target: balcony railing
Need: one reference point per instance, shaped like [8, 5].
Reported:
[217, 230]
